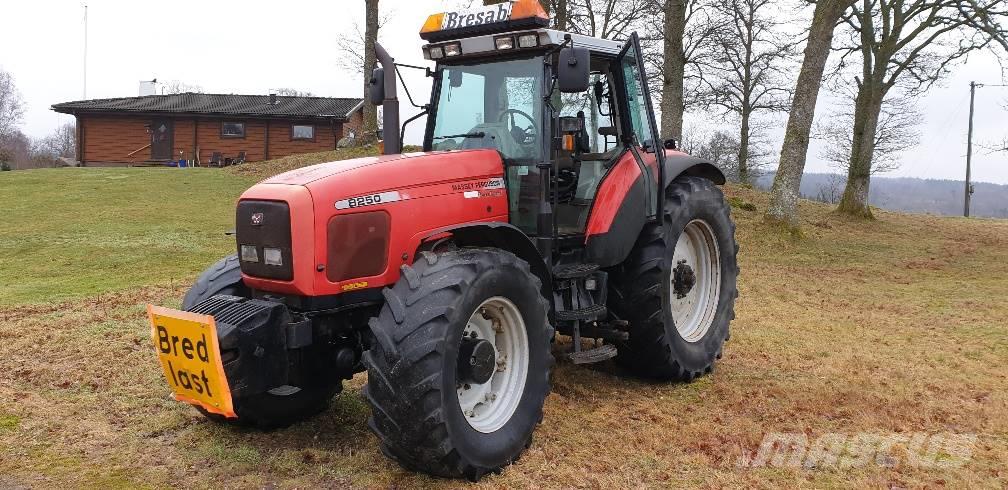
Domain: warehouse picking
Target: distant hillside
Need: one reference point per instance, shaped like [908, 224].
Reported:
[911, 195]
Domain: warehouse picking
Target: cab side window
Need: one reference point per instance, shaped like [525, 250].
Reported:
[636, 102]
[595, 117]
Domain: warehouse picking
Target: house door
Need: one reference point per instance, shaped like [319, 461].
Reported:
[162, 136]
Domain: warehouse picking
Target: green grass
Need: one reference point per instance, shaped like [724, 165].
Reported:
[893, 326]
[71, 233]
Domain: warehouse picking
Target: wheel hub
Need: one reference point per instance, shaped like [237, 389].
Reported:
[477, 360]
[683, 279]
[695, 281]
[492, 364]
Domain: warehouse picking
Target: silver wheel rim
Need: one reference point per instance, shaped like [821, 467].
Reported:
[694, 312]
[488, 406]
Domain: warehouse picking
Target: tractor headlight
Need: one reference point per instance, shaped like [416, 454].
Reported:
[530, 40]
[436, 52]
[504, 42]
[249, 253]
[452, 49]
[272, 256]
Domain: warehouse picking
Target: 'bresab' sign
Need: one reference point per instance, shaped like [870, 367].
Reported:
[476, 17]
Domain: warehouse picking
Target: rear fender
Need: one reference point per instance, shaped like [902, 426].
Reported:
[677, 164]
[620, 204]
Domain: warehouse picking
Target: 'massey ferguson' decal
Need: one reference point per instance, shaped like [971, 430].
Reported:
[478, 185]
[369, 200]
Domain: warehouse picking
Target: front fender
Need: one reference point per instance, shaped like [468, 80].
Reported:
[504, 236]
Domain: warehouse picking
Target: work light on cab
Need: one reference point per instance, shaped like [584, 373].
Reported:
[452, 49]
[504, 42]
[529, 40]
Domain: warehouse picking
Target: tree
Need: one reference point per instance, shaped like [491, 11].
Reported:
[896, 133]
[61, 143]
[910, 45]
[371, 24]
[11, 107]
[830, 190]
[180, 87]
[748, 76]
[721, 149]
[686, 29]
[291, 92]
[607, 19]
[787, 181]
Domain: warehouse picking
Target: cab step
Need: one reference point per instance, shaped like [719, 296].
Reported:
[598, 354]
[587, 313]
[574, 271]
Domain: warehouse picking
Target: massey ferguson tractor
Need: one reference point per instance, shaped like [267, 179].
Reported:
[544, 204]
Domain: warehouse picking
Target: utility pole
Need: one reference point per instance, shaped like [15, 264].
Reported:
[969, 152]
[85, 51]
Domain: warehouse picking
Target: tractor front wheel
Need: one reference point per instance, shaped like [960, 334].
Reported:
[279, 407]
[459, 370]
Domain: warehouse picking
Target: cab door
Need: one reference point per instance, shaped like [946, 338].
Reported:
[629, 195]
[638, 121]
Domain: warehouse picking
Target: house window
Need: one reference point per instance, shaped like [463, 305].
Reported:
[231, 129]
[302, 132]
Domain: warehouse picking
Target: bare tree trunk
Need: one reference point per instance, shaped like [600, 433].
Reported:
[370, 122]
[784, 194]
[560, 16]
[673, 69]
[743, 154]
[867, 107]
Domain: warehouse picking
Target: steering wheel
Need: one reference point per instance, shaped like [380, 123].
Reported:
[523, 136]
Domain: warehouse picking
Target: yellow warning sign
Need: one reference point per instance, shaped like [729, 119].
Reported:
[186, 344]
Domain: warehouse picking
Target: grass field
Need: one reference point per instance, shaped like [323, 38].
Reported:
[895, 326]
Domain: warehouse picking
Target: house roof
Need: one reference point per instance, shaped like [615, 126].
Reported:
[217, 104]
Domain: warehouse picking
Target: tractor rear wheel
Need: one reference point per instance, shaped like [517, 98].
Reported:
[677, 287]
[459, 370]
[279, 407]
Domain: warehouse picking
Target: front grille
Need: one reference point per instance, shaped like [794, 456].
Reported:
[265, 224]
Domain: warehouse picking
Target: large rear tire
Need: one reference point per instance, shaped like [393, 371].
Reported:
[677, 287]
[459, 369]
[285, 405]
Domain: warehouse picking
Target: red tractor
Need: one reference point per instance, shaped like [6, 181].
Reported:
[544, 203]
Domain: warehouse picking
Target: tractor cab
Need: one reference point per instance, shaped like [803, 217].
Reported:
[561, 109]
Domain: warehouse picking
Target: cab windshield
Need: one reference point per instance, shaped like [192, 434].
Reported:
[491, 105]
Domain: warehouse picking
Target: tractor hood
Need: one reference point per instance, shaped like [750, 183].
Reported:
[368, 175]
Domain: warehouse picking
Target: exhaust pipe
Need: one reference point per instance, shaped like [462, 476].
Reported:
[386, 76]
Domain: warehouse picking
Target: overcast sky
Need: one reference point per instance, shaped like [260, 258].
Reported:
[251, 47]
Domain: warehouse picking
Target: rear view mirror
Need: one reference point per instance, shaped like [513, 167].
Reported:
[376, 86]
[573, 70]
[455, 78]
